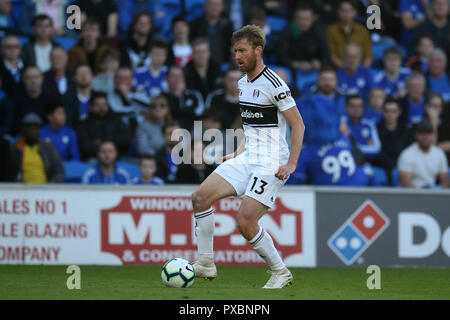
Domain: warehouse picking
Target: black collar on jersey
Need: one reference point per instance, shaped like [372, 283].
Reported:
[259, 75]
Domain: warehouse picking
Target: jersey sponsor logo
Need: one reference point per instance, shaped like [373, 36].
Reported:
[250, 115]
[282, 95]
[259, 115]
[358, 232]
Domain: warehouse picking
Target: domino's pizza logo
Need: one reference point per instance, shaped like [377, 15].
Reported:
[358, 233]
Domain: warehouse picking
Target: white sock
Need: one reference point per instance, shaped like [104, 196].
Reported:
[204, 233]
[263, 245]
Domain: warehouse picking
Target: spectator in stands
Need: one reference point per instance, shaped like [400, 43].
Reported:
[202, 73]
[37, 51]
[214, 26]
[186, 105]
[414, 102]
[83, 78]
[134, 49]
[225, 102]
[180, 52]
[303, 44]
[326, 102]
[435, 113]
[283, 74]
[394, 135]
[11, 65]
[152, 79]
[30, 97]
[374, 110]
[125, 102]
[437, 25]
[327, 156]
[392, 79]
[347, 30]
[101, 125]
[168, 161]
[148, 168]
[354, 78]
[104, 80]
[55, 9]
[8, 23]
[106, 171]
[258, 16]
[424, 47]
[438, 79]
[149, 135]
[128, 9]
[197, 170]
[362, 131]
[63, 138]
[89, 49]
[9, 164]
[6, 112]
[103, 10]
[422, 163]
[412, 14]
[40, 161]
[60, 81]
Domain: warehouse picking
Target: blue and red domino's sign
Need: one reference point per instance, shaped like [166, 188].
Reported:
[358, 232]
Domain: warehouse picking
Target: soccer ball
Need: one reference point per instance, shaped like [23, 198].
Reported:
[178, 273]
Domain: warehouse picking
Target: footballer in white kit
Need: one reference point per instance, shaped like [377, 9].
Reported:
[259, 167]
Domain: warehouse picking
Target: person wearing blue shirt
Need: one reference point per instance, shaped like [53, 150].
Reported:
[326, 102]
[63, 138]
[353, 77]
[438, 79]
[148, 167]
[393, 78]
[363, 131]
[152, 79]
[327, 156]
[412, 14]
[374, 108]
[413, 104]
[106, 171]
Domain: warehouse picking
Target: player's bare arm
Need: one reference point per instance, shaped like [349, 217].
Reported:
[294, 119]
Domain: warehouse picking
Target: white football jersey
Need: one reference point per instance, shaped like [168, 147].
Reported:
[261, 101]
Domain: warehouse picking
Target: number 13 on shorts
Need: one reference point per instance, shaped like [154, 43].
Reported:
[264, 188]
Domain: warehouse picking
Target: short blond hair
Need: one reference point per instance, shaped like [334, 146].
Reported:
[252, 33]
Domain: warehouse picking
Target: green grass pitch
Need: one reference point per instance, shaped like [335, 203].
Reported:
[233, 283]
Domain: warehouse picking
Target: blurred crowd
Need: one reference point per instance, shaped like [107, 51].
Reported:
[100, 104]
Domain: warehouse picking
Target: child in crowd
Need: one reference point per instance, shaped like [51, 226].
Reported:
[148, 167]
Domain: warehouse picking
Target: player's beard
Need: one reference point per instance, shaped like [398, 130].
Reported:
[250, 65]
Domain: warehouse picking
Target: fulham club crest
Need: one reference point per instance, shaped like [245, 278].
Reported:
[255, 93]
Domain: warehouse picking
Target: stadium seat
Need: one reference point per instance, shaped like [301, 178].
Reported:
[395, 177]
[304, 80]
[16, 8]
[23, 40]
[65, 42]
[380, 176]
[75, 170]
[131, 168]
[276, 23]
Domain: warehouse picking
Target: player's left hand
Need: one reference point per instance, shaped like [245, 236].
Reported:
[285, 171]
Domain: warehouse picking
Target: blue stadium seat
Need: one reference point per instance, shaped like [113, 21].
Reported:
[395, 177]
[288, 72]
[304, 80]
[380, 176]
[65, 42]
[23, 40]
[131, 168]
[74, 170]
[16, 8]
[276, 23]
